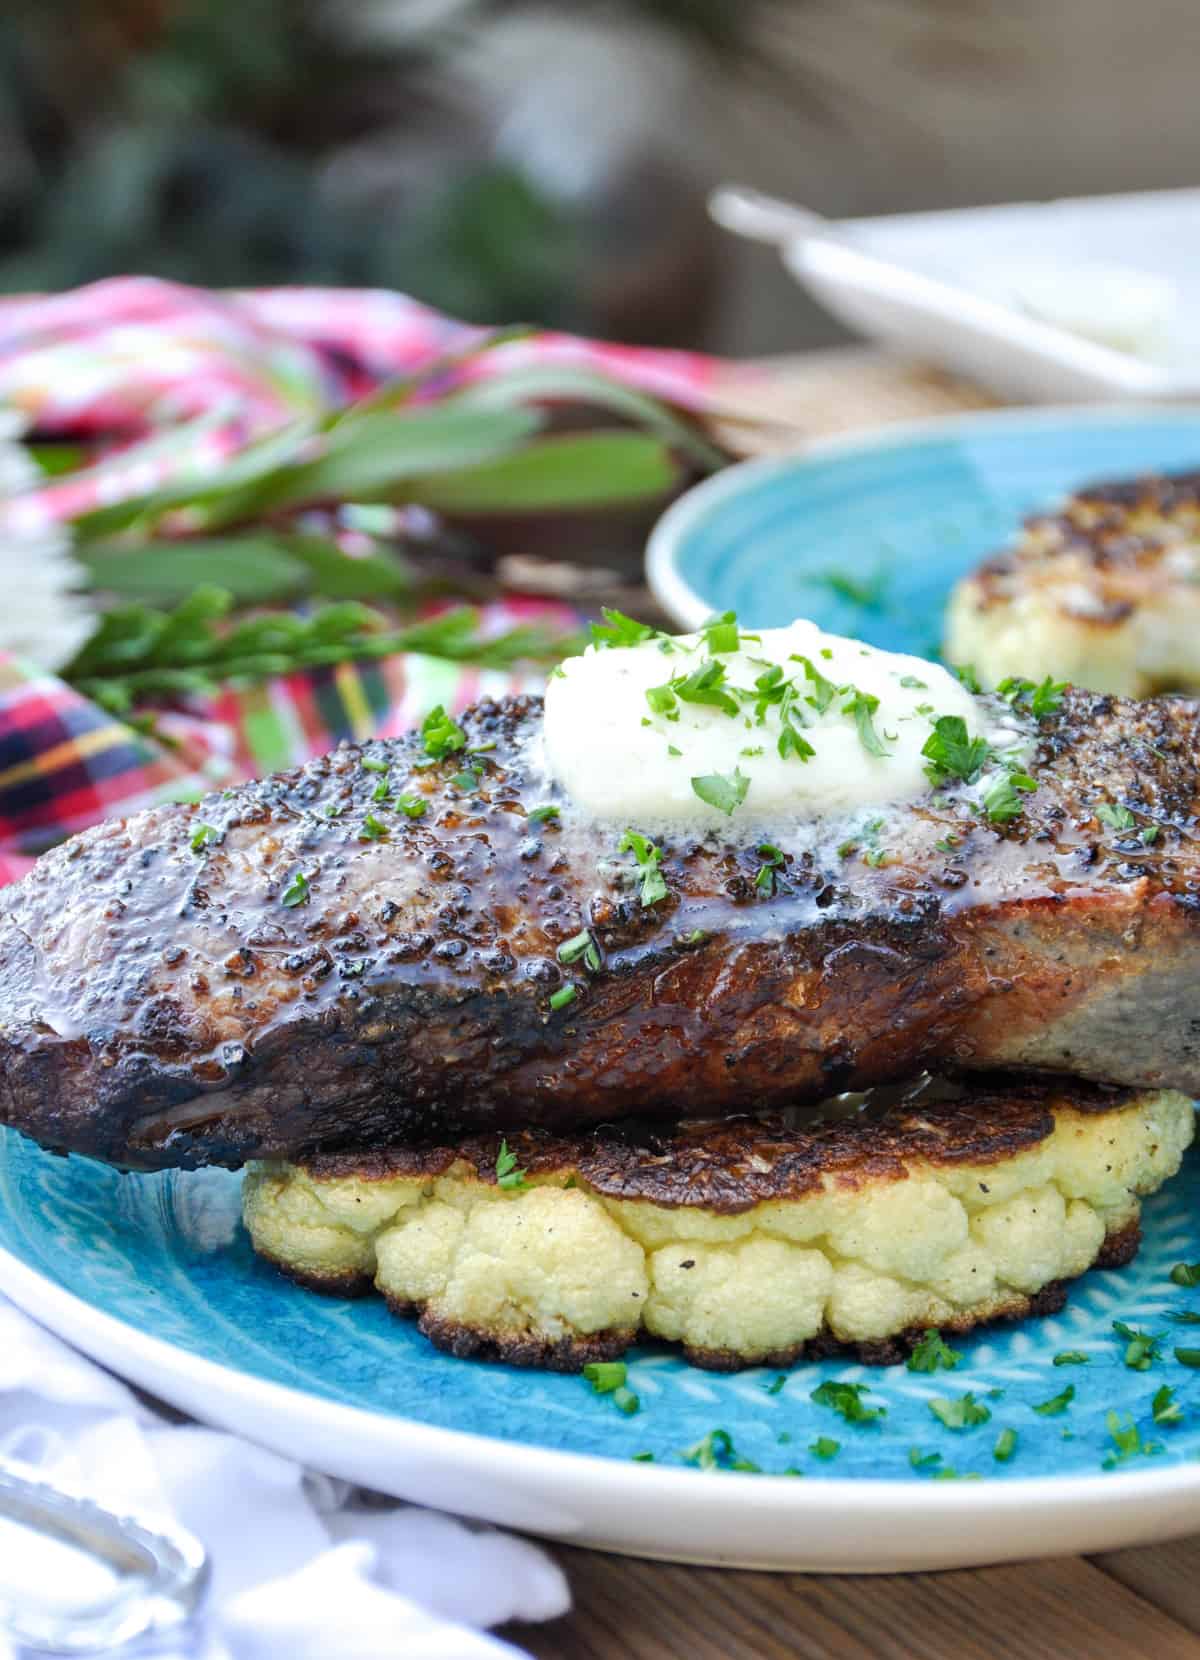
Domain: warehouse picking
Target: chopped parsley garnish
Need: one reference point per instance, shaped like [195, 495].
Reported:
[296, 893]
[382, 792]
[648, 858]
[539, 815]
[1056, 1404]
[948, 842]
[565, 994]
[964, 1413]
[672, 751]
[705, 685]
[1006, 1446]
[1042, 699]
[1072, 1357]
[716, 1451]
[1141, 1350]
[862, 705]
[823, 691]
[846, 1400]
[1127, 1440]
[1120, 818]
[1165, 1407]
[1185, 1317]
[951, 753]
[465, 780]
[369, 764]
[792, 741]
[724, 791]
[373, 829]
[441, 735]
[626, 1401]
[580, 945]
[1002, 797]
[1188, 1357]
[605, 1375]
[912, 684]
[643, 1458]
[1186, 1273]
[772, 858]
[923, 1461]
[1149, 834]
[661, 699]
[619, 630]
[721, 633]
[509, 1177]
[966, 676]
[825, 1447]
[203, 836]
[931, 1352]
[412, 806]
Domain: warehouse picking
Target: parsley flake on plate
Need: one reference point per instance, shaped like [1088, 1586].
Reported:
[1006, 1446]
[203, 836]
[846, 1400]
[1141, 1349]
[1072, 1357]
[825, 1447]
[1165, 1407]
[373, 829]
[964, 1412]
[539, 815]
[1127, 1441]
[1056, 1404]
[931, 1352]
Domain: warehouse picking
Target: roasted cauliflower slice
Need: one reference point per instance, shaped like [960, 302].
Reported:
[1103, 593]
[746, 1241]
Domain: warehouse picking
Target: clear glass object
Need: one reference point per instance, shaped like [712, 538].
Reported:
[78, 1579]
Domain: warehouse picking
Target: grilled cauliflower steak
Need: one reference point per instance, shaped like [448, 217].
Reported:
[747, 1241]
[1104, 593]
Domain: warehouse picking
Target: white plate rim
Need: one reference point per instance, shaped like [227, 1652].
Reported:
[681, 601]
[180, 1377]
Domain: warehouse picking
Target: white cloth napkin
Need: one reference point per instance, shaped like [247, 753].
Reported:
[304, 1567]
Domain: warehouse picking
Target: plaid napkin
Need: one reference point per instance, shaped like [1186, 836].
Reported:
[131, 359]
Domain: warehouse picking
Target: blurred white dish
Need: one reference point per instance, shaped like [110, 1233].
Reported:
[1077, 300]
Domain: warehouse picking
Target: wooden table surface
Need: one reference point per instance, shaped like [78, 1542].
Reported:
[1129, 1605]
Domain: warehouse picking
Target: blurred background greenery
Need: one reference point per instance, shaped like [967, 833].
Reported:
[510, 159]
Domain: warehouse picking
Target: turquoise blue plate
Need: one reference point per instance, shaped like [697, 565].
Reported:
[155, 1276]
[866, 535]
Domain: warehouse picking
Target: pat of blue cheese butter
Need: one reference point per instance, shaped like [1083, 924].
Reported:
[772, 724]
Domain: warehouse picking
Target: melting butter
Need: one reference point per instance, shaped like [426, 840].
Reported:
[621, 756]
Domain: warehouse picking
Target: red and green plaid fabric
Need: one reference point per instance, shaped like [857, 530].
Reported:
[132, 358]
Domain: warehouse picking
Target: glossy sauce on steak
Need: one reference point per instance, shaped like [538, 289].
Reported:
[172, 994]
